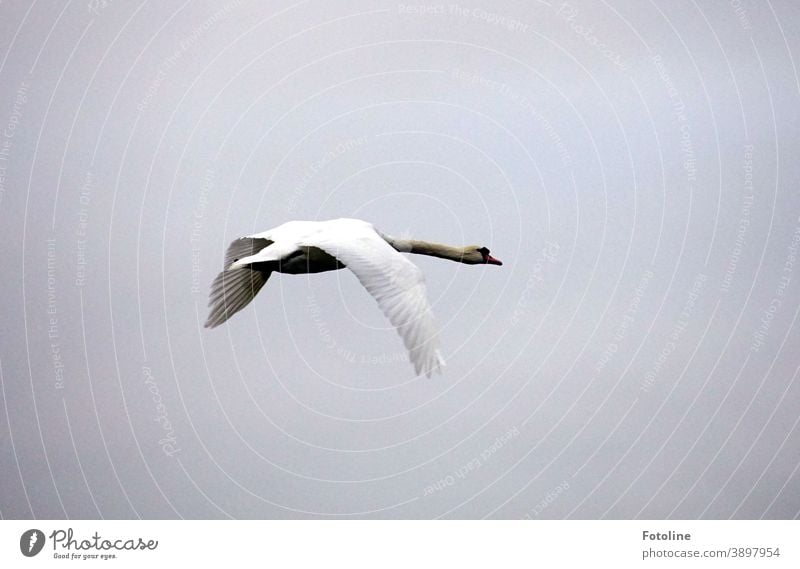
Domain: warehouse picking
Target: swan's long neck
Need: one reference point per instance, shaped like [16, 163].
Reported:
[426, 248]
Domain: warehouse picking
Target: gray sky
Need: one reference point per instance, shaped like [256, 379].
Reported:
[633, 164]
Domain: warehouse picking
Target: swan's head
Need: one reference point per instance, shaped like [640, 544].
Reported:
[475, 255]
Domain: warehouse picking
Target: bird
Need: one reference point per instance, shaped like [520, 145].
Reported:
[303, 247]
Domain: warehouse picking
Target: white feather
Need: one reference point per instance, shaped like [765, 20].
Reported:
[396, 283]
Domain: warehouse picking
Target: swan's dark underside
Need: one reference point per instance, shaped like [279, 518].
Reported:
[235, 287]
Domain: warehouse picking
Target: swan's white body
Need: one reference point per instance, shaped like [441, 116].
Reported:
[299, 247]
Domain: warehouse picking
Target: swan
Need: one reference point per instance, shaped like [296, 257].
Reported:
[301, 247]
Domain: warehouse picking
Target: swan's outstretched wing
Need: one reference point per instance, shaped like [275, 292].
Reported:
[234, 288]
[396, 283]
[231, 291]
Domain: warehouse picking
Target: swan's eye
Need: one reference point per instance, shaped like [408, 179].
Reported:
[483, 251]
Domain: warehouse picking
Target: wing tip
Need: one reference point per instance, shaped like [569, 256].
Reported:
[231, 291]
[434, 365]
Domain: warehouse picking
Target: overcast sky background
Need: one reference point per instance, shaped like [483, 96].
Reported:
[634, 164]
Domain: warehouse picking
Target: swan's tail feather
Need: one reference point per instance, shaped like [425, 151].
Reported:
[232, 290]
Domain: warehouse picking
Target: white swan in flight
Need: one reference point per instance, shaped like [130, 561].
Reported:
[300, 247]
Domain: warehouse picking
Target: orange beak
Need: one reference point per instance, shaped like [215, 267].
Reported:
[492, 261]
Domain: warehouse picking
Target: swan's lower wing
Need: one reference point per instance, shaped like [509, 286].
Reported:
[244, 247]
[232, 290]
[396, 283]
